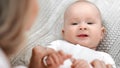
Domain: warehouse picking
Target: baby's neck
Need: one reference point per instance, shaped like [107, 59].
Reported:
[93, 48]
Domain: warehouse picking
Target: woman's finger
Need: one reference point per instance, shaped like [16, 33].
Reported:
[65, 56]
[109, 66]
[103, 64]
[96, 64]
[36, 59]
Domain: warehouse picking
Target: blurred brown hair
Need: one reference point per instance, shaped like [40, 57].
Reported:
[13, 15]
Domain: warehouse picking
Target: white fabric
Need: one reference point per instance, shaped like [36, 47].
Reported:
[3, 60]
[80, 52]
[4, 63]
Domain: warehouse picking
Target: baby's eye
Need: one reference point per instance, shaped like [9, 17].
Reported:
[89, 23]
[74, 23]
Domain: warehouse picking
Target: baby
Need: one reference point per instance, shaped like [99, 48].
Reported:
[82, 32]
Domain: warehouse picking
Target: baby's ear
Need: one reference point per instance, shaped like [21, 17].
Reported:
[62, 32]
[103, 31]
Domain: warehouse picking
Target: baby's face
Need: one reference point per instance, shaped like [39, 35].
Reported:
[83, 25]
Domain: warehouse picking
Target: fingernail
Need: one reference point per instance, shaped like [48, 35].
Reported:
[44, 60]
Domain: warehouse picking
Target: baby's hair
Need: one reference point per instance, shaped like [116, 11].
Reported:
[12, 21]
[88, 3]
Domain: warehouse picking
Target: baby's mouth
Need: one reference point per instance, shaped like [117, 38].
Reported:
[82, 35]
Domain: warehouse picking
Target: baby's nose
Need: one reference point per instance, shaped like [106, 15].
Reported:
[83, 28]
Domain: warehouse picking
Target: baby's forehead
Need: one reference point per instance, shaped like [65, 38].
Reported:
[82, 5]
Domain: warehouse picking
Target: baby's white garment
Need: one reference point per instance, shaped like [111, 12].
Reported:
[80, 52]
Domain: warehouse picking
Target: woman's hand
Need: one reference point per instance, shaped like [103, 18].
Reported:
[100, 64]
[79, 63]
[84, 64]
[56, 59]
[38, 53]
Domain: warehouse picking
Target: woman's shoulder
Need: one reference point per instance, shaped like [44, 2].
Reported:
[4, 63]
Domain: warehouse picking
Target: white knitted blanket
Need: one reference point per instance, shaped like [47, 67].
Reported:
[49, 23]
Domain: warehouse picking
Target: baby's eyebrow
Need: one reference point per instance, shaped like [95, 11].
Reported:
[74, 19]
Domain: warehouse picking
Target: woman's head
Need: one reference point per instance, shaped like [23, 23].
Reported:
[14, 16]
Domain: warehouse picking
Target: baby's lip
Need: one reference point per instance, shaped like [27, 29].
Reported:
[82, 35]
